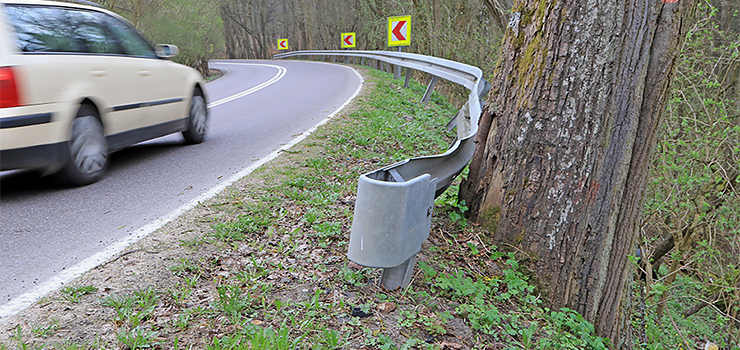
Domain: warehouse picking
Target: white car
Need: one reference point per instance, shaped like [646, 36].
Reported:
[78, 82]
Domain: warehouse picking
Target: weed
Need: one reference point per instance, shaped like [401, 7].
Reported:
[327, 232]
[73, 293]
[433, 323]
[183, 321]
[67, 345]
[43, 331]
[251, 273]
[260, 218]
[319, 163]
[146, 298]
[569, 330]
[331, 339]
[193, 243]
[137, 338]
[311, 216]
[185, 266]
[233, 302]
[18, 336]
[133, 310]
[354, 278]
[385, 342]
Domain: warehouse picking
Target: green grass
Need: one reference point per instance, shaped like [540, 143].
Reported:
[74, 293]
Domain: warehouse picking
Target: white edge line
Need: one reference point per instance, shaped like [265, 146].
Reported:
[23, 301]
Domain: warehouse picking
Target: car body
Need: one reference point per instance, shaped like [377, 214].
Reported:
[78, 82]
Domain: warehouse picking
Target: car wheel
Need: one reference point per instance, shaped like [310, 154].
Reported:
[86, 154]
[197, 120]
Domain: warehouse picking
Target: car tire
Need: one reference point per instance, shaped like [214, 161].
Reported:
[197, 119]
[86, 152]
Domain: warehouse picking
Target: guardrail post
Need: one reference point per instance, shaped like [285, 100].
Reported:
[430, 89]
[408, 76]
[399, 276]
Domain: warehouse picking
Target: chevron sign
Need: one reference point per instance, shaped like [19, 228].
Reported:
[282, 44]
[399, 31]
[348, 40]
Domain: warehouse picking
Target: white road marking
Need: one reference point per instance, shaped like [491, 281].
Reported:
[280, 74]
[23, 301]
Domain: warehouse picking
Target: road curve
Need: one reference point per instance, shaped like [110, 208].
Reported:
[49, 235]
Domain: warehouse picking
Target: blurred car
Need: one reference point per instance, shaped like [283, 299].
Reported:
[78, 82]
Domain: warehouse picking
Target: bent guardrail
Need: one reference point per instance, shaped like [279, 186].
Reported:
[394, 204]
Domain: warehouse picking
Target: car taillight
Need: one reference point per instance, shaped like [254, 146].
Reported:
[9, 95]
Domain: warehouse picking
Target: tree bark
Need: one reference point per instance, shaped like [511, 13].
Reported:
[578, 97]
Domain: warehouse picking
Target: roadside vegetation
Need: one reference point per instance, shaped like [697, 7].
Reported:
[689, 280]
[267, 267]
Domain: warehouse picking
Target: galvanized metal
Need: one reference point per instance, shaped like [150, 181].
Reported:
[394, 204]
[399, 276]
[397, 68]
[392, 218]
[430, 89]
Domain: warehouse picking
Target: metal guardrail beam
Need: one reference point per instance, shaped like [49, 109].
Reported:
[394, 204]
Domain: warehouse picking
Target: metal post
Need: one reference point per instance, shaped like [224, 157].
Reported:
[362, 61]
[397, 69]
[408, 76]
[334, 58]
[430, 89]
[346, 59]
[399, 276]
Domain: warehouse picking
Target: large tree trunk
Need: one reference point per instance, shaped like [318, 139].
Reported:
[576, 107]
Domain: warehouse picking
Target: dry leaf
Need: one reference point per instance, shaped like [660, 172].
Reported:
[387, 307]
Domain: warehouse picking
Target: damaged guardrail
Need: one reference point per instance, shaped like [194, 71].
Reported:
[394, 204]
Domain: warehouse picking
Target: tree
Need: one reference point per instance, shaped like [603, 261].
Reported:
[566, 142]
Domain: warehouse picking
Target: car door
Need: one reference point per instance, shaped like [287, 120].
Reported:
[162, 97]
[114, 76]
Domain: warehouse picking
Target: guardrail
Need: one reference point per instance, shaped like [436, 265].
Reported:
[394, 204]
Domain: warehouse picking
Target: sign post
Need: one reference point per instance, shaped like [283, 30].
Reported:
[282, 44]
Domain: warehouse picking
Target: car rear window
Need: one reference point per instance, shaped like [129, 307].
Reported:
[69, 30]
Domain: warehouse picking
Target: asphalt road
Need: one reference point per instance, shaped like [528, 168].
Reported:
[49, 234]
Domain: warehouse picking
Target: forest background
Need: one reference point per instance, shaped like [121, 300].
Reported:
[688, 254]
